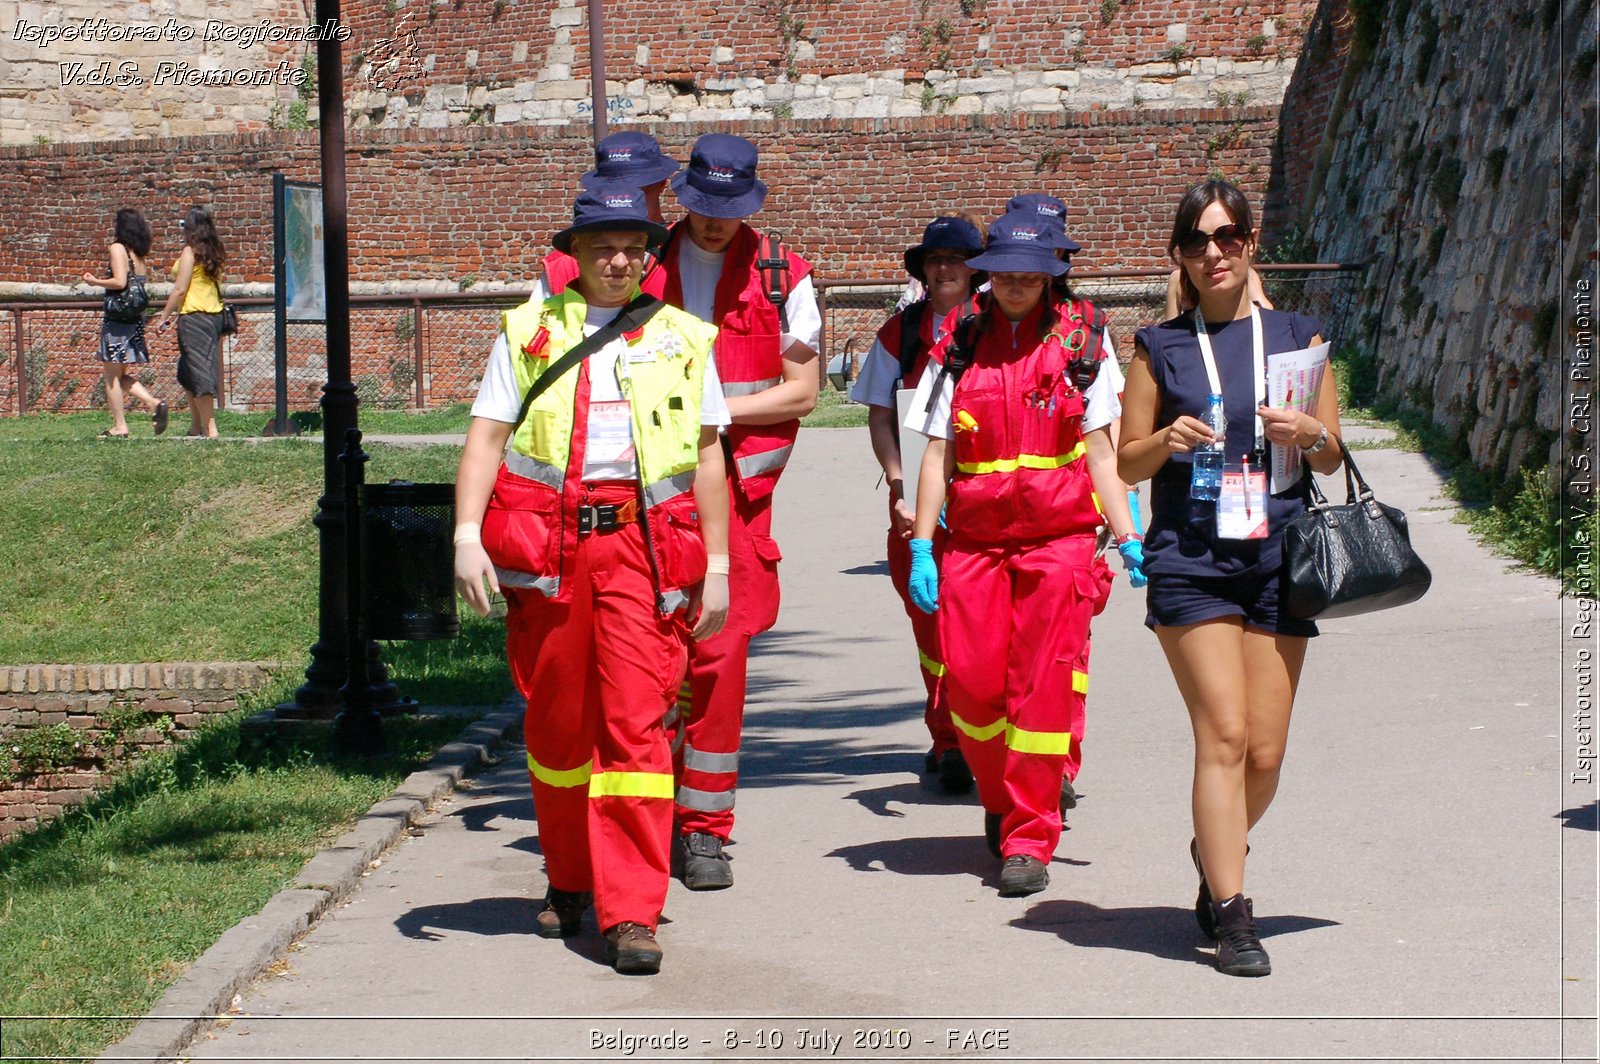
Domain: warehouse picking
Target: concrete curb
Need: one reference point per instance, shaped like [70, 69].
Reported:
[254, 944]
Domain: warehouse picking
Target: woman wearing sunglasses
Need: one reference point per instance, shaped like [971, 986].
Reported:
[1214, 599]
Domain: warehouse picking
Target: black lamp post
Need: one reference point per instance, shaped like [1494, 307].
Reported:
[320, 697]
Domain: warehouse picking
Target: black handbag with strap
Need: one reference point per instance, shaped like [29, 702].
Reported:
[1354, 558]
[128, 303]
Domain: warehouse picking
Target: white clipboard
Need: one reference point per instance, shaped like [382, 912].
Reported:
[912, 445]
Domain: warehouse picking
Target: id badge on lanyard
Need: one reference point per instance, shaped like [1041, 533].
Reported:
[1242, 509]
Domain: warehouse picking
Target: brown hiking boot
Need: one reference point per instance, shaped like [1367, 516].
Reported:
[562, 913]
[632, 949]
[1021, 875]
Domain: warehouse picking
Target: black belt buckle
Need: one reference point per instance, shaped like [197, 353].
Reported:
[601, 518]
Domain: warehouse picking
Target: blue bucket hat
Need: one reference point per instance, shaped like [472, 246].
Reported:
[720, 181]
[1021, 242]
[943, 233]
[630, 158]
[1050, 210]
[610, 205]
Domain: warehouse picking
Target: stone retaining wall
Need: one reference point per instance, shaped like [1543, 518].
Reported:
[116, 713]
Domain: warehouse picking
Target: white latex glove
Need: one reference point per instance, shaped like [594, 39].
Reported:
[708, 606]
[473, 570]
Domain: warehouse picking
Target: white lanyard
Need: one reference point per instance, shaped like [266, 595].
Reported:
[1210, 360]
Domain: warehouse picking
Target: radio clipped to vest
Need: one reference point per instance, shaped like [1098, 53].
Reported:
[772, 262]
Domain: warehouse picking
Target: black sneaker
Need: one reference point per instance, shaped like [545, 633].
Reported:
[1239, 950]
[1022, 875]
[1069, 797]
[705, 866]
[930, 762]
[954, 775]
[562, 913]
[1202, 902]
[991, 832]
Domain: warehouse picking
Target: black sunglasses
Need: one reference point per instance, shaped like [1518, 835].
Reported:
[1230, 240]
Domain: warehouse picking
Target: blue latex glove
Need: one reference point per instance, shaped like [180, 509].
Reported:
[924, 583]
[1133, 560]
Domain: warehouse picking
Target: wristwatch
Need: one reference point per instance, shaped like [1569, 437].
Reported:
[1322, 441]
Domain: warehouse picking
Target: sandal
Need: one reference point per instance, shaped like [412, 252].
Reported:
[160, 417]
[107, 434]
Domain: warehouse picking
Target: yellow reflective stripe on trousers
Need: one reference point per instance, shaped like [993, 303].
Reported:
[556, 777]
[935, 668]
[1080, 682]
[631, 785]
[1024, 461]
[979, 735]
[1038, 742]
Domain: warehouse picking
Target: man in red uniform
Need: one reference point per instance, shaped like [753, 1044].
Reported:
[713, 266]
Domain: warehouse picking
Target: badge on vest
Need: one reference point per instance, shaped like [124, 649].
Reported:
[535, 347]
[1242, 509]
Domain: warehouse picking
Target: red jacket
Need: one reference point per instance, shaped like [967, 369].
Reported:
[748, 356]
[1022, 471]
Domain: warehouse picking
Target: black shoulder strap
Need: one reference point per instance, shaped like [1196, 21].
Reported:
[1085, 367]
[911, 336]
[774, 267]
[958, 356]
[631, 317]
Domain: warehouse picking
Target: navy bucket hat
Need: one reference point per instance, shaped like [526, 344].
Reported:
[610, 205]
[944, 233]
[1020, 242]
[630, 158]
[1050, 210]
[720, 181]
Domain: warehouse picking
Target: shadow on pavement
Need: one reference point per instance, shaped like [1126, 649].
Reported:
[943, 855]
[1583, 817]
[478, 816]
[1164, 931]
[870, 569]
[924, 790]
[485, 916]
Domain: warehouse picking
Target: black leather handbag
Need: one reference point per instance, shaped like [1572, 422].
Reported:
[230, 320]
[1355, 558]
[127, 304]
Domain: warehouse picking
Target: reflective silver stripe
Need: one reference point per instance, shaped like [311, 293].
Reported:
[535, 470]
[668, 488]
[705, 801]
[701, 761]
[765, 462]
[749, 387]
[673, 600]
[511, 578]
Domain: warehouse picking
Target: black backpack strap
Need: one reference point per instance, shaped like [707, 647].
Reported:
[773, 265]
[958, 356]
[631, 317]
[1085, 366]
[911, 336]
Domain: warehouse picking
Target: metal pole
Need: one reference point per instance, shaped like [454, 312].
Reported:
[416, 350]
[280, 317]
[597, 68]
[22, 366]
[358, 729]
[320, 696]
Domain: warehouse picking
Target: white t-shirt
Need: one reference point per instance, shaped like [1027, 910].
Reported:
[875, 384]
[608, 452]
[699, 271]
[1102, 403]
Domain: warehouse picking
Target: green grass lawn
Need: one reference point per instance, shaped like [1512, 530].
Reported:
[100, 912]
[835, 410]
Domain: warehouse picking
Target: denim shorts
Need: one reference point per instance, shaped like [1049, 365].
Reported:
[1178, 599]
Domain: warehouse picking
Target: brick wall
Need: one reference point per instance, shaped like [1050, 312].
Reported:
[117, 712]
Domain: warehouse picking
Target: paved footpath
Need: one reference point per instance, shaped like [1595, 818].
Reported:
[1410, 877]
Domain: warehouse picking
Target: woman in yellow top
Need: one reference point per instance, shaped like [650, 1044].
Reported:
[197, 299]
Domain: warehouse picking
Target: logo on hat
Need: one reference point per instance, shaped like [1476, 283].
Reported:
[1049, 209]
[1021, 234]
[621, 156]
[619, 201]
[721, 173]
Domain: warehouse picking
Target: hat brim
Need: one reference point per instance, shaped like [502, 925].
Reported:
[740, 206]
[647, 175]
[1019, 260]
[1067, 244]
[655, 233]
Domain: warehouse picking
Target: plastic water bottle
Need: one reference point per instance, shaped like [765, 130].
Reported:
[1206, 481]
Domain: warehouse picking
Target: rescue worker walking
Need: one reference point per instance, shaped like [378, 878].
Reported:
[627, 158]
[606, 526]
[761, 298]
[896, 362]
[1017, 414]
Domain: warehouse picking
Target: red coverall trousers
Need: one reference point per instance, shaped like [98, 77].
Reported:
[925, 630]
[709, 714]
[1014, 625]
[599, 672]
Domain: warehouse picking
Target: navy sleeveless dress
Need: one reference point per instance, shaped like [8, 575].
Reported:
[1194, 575]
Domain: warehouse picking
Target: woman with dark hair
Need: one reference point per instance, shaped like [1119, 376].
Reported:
[197, 299]
[1017, 406]
[1214, 598]
[122, 343]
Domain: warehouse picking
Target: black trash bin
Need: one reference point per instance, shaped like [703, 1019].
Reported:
[409, 561]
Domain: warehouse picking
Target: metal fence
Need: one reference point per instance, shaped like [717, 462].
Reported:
[428, 350]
